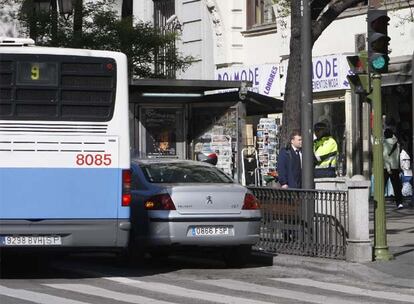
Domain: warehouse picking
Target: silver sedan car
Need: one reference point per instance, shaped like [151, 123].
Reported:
[190, 203]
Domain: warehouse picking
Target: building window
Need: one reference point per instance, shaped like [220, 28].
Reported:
[163, 10]
[259, 12]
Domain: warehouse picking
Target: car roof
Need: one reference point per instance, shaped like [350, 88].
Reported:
[139, 161]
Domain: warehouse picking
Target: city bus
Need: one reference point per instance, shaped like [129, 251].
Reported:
[64, 147]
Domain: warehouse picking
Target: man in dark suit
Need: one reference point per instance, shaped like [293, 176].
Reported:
[289, 164]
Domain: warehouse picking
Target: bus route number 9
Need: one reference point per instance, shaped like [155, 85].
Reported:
[93, 159]
[35, 72]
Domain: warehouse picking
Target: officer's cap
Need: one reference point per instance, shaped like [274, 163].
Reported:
[320, 126]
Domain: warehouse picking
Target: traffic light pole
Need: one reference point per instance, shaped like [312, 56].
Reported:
[380, 239]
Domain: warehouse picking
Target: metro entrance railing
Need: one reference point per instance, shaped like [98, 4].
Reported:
[303, 222]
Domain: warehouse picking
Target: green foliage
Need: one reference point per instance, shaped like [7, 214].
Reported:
[103, 29]
[283, 7]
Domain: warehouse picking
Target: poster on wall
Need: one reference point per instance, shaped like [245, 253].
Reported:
[221, 145]
[162, 130]
[215, 131]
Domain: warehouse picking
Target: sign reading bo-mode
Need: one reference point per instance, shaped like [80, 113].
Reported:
[265, 78]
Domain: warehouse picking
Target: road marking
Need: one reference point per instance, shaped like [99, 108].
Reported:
[36, 297]
[184, 292]
[105, 293]
[277, 292]
[349, 289]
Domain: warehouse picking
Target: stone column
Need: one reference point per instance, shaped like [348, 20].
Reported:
[359, 248]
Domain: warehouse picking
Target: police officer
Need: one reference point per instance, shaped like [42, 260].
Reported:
[325, 151]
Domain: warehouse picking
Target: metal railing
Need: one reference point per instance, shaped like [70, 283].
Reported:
[303, 222]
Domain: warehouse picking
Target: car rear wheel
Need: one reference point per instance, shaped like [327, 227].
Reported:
[160, 253]
[237, 256]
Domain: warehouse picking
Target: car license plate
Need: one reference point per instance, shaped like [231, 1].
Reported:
[210, 230]
[30, 240]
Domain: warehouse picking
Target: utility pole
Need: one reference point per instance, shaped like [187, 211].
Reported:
[307, 116]
[306, 100]
[412, 120]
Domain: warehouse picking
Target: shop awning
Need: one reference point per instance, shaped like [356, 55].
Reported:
[256, 104]
[202, 91]
[185, 86]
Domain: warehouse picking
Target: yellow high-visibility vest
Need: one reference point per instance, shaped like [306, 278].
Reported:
[326, 152]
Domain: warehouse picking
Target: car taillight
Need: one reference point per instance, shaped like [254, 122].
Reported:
[126, 188]
[160, 202]
[250, 202]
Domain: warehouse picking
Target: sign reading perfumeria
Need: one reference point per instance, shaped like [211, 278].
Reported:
[265, 78]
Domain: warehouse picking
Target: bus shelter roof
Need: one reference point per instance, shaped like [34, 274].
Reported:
[202, 92]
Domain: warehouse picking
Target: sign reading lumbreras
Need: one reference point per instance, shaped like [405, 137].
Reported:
[265, 78]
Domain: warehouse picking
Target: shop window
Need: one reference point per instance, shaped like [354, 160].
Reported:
[259, 12]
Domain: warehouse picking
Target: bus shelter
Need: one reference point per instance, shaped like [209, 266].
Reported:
[182, 118]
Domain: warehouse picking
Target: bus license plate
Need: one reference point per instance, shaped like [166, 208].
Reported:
[210, 230]
[30, 240]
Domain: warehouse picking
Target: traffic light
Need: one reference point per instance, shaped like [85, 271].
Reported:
[378, 40]
[358, 73]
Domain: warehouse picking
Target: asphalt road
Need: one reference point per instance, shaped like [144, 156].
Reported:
[191, 278]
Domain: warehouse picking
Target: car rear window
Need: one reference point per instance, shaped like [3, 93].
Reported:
[183, 173]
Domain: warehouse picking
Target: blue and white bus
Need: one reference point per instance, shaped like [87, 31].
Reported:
[64, 147]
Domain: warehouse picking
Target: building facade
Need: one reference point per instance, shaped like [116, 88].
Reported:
[249, 40]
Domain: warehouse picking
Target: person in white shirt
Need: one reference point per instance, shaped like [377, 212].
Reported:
[391, 154]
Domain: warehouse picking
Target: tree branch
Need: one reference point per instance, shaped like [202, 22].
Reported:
[317, 7]
[329, 15]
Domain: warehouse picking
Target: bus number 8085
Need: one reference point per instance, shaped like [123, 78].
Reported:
[93, 159]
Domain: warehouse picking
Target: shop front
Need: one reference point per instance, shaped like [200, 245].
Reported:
[349, 116]
[332, 105]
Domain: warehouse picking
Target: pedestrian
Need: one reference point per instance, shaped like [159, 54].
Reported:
[325, 151]
[289, 164]
[407, 173]
[391, 154]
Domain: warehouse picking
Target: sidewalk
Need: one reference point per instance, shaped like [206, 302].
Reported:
[398, 272]
[400, 240]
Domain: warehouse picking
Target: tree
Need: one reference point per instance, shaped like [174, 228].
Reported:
[323, 13]
[96, 25]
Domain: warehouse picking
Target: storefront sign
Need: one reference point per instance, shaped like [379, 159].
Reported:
[329, 73]
[265, 78]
